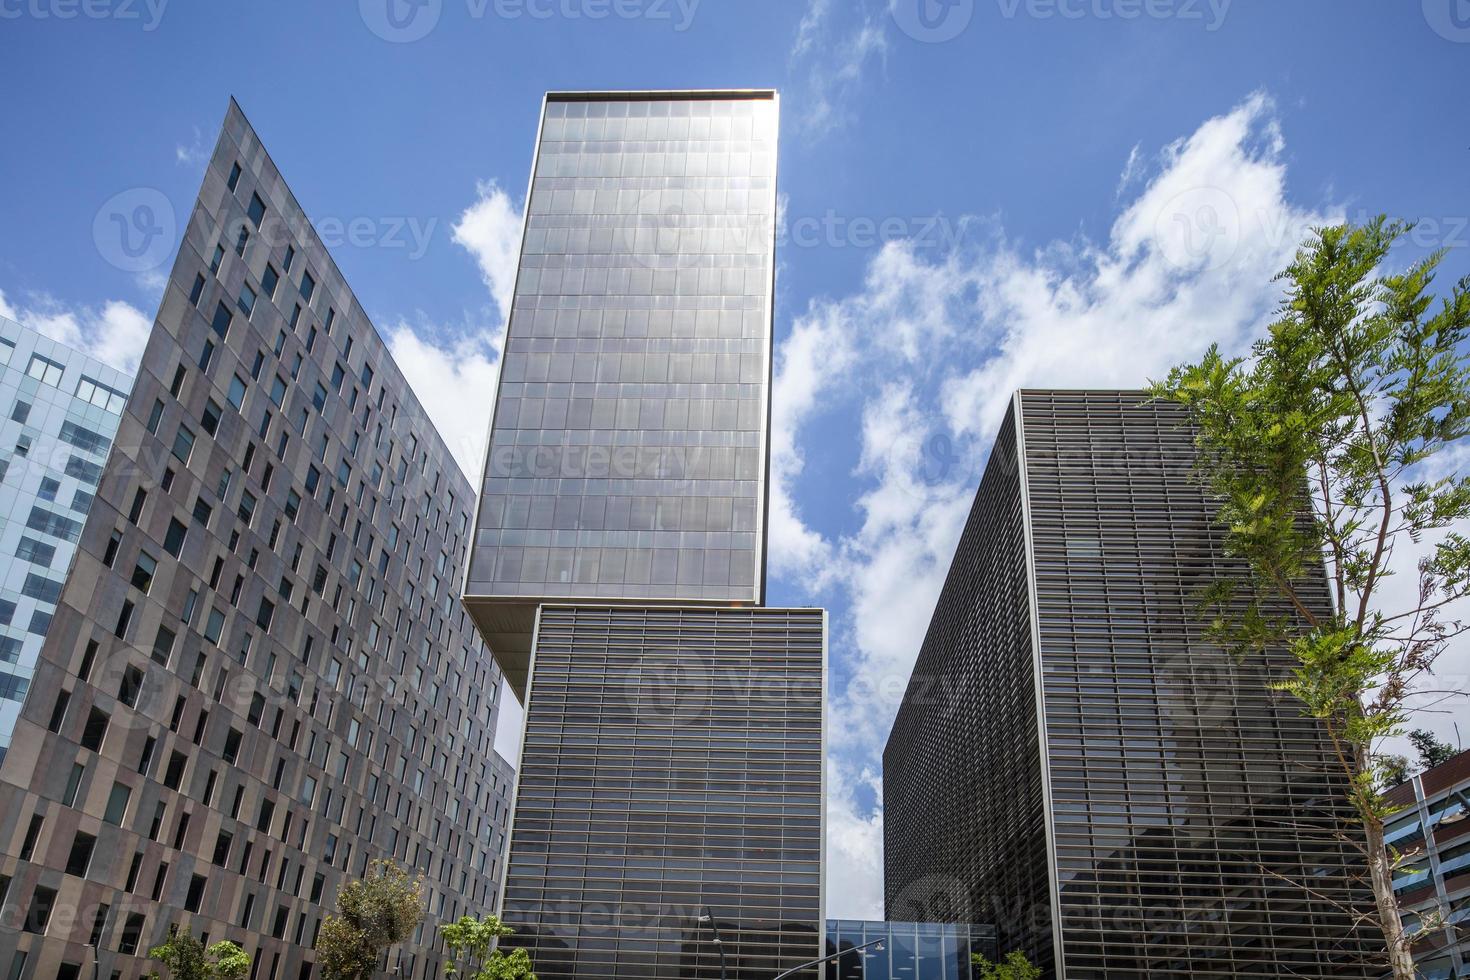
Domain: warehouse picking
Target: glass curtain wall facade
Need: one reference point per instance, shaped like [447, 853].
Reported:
[59, 410]
[911, 950]
[1433, 885]
[672, 765]
[1191, 820]
[258, 679]
[628, 447]
[672, 759]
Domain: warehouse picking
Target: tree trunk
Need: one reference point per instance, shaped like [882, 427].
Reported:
[1400, 959]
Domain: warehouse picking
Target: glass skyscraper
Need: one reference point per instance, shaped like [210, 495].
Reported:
[669, 805]
[59, 410]
[628, 449]
[1074, 762]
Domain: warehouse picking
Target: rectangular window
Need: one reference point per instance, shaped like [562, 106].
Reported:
[209, 421]
[55, 525]
[269, 281]
[84, 438]
[41, 588]
[155, 415]
[142, 579]
[221, 322]
[241, 241]
[214, 627]
[163, 645]
[95, 731]
[39, 914]
[80, 858]
[308, 286]
[132, 934]
[256, 211]
[173, 539]
[82, 470]
[197, 290]
[45, 370]
[73, 784]
[183, 445]
[246, 302]
[278, 390]
[94, 392]
[290, 257]
[234, 180]
[219, 257]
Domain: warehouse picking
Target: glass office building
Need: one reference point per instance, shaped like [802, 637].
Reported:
[670, 789]
[1116, 795]
[1432, 830]
[628, 449]
[910, 950]
[59, 410]
[258, 679]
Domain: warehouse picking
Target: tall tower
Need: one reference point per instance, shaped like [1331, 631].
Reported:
[1075, 763]
[257, 680]
[672, 759]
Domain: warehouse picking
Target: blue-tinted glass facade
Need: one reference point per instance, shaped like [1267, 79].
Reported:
[59, 411]
[911, 950]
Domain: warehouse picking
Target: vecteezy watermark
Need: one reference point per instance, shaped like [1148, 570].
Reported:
[933, 21]
[1211, 13]
[135, 230]
[833, 230]
[148, 12]
[1199, 229]
[1449, 18]
[405, 21]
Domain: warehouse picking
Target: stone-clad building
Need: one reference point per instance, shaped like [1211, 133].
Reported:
[259, 677]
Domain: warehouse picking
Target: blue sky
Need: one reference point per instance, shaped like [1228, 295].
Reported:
[979, 194]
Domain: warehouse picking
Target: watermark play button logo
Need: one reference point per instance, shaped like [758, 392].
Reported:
[135, 230]
[933, 21]
[400, 21]
[1449, 18]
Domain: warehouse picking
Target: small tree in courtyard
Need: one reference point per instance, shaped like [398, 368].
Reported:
[475, 955]
[375, 912]
[185, 958]
[1014, 967]
[1330, 441]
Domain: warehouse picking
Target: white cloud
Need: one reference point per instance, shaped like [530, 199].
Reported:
[928, 354]
[854, 843]
[837, 58]
[454, 370]
[114, 334]
[1131, 170]
[455, 381]
[491, 230]
[194, 153]
[811, 23]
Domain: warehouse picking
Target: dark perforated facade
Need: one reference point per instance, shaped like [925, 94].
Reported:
[672, 763]
[1165, 813]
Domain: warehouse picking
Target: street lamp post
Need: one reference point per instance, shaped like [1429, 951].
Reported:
[876, 944]
[709, 918]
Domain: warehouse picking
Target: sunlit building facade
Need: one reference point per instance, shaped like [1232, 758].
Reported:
[258, 679]
[59, 410]
[1075, 763]
[670, 789]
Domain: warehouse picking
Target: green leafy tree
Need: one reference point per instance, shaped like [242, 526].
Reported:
[1329, 441]
[375, 912]
[475, 954]
[1431, 750]
[1393, 770]
[1014, 967]
[186, 959]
